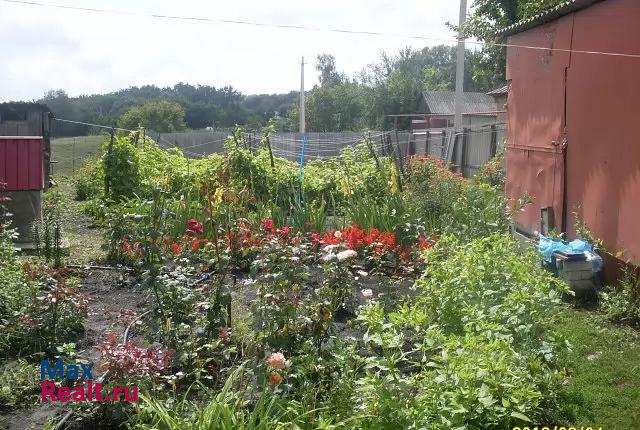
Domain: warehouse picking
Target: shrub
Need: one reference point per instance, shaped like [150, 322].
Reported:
[18, 385]
[487, 286]
[622, 304]
[432, 187]
[89, 181]
[493, 172]
[479, 211]
[473, 351]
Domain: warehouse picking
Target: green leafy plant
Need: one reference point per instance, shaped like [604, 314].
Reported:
[622, 304]
[18, 385]
[493, 172]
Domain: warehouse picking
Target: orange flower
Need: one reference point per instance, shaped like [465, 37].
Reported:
[275, 378]
[176, 248]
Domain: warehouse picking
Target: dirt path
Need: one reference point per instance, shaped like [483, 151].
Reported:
[84, 238]
[114, 300]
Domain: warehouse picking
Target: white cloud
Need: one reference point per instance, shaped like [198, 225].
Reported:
[84, 53]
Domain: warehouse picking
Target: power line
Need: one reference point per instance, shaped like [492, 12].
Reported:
[317, 29]
[225, 21]
[90, 124]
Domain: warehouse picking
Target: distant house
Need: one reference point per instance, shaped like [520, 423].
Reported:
[432, 129]
[478, 109]
[500, 97]
[572, 120]
[24, 161]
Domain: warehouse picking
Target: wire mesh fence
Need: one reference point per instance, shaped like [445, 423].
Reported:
[467, 151]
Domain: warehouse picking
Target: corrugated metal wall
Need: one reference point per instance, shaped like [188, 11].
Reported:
[602, 151]
[21, 163]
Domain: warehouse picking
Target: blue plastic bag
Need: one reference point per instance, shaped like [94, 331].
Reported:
[547, 246]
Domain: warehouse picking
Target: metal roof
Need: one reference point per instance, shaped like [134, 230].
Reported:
[499, 91]
[443, 102]
[556, 12]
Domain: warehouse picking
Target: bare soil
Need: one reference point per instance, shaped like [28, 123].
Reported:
[115, 300]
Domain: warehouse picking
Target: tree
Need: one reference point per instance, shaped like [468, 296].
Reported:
[327, 68]
[159, 115]
[395, 83]
[487, 21]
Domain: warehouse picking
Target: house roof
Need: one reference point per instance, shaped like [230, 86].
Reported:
[499, 91]
[560, 10]
[22, 107]
[443, 102]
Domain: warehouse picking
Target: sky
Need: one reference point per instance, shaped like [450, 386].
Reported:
[81, 52]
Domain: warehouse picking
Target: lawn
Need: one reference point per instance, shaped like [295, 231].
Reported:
[63, 152]
[71, 154]
[604, 369]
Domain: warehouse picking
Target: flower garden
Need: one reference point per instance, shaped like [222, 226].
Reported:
[359, 295]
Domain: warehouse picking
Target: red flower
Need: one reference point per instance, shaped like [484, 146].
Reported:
[267, 224]
[316, 239]
[284, 230]
[176, 248]
[195, 244]
[126, 247]
[194, 227]
[424, 243]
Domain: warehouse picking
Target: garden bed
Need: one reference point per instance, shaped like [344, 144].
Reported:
[358, 297]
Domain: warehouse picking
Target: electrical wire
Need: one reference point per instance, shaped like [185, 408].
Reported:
[90, 124]
[227, 21]
[316, 29]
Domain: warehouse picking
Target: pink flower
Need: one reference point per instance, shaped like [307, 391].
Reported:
[276, 360]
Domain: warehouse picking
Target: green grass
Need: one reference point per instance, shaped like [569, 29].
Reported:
[84, 240]
[604, 370]
[86, 148]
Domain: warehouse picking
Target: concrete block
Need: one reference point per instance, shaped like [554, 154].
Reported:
[573, 266]
[25, 207]
[582, 286]
[575, 276]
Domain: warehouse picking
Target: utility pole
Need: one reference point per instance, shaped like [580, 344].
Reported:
[302, 114]
[457, 120]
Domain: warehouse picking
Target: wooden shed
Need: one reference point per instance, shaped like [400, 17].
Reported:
[24, 162]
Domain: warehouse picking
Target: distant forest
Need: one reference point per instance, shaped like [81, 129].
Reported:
[203, 105]
[336, 103]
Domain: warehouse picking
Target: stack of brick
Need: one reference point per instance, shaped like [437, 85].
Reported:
[575, 272]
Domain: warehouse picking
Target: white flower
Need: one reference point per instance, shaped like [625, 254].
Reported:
[330, 248]
[329, 257]
[367, 293]
[347, 255]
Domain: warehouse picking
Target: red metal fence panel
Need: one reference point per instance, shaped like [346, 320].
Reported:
[21, 165]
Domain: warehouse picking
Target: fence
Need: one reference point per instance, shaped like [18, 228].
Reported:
[470, 149]
[467, 151]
